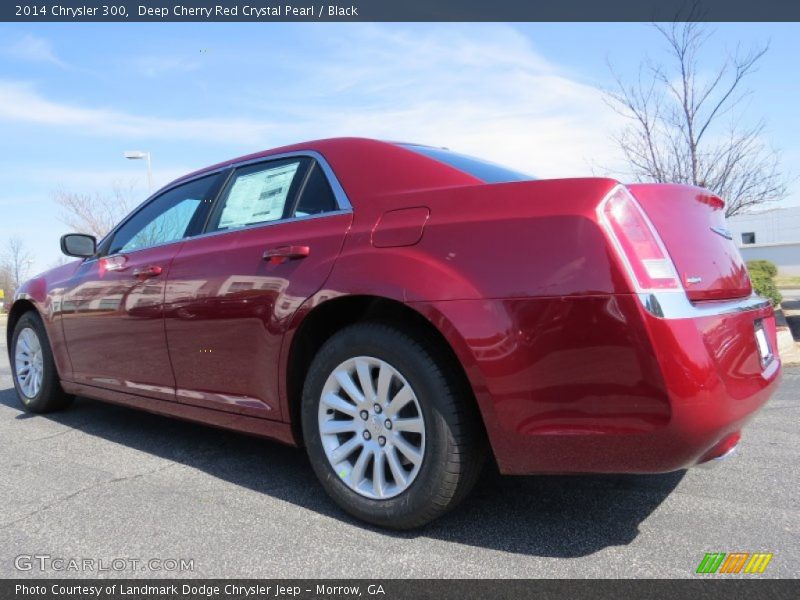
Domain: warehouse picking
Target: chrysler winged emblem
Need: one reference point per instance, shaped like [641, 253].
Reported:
[726, 233]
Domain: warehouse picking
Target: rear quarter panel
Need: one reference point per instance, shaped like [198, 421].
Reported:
[520, 281]
[526, 239]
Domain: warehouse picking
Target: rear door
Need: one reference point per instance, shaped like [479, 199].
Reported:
[113, 306]
[270, 243]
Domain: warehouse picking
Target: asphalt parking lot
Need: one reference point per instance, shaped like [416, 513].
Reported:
[105, 482]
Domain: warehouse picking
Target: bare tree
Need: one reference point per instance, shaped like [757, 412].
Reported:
[16, 262]
[95, 213]
[684, 126]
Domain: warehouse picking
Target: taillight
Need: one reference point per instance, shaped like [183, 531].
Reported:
[637, 242]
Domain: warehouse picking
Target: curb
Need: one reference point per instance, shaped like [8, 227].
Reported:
[785, 340]
[788, 349]
[791, 358]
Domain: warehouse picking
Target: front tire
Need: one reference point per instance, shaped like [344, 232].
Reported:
[389, 426]
[33, 368]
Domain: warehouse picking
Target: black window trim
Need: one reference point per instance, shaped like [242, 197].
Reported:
[196, 228]
[312, 168]
[301, 188]
[342, 201]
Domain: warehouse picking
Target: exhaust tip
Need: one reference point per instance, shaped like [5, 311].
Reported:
[721, 452]
[717, 460]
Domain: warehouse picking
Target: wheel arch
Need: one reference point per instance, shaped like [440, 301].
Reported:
[19, 308]
[320, 322]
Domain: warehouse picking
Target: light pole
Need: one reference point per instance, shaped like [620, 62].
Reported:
[138, 155]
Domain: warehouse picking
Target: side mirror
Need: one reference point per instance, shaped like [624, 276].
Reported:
[78, 244]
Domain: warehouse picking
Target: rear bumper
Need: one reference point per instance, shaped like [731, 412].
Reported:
[606, 384]
[713, 373]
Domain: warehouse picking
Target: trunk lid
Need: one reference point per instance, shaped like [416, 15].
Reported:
[691, 223]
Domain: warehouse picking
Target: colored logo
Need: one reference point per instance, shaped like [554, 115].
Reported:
[735, 562]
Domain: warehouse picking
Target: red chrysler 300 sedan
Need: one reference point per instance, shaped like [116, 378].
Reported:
[402, 310]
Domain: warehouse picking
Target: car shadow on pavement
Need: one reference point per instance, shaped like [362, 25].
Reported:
[551, 516]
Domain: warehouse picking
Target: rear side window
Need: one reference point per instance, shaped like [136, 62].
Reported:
[258, 194]
[486, 171]
[316, 196]
[166, 218]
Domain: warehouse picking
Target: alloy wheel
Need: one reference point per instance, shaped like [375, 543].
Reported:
[372, 427]
[29, 363]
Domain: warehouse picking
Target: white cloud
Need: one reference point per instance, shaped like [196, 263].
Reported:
[92, 180]
[33, 48]
[155, 66]
[20, 102]
[482, 89]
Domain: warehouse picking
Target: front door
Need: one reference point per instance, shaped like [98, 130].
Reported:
[270, 244]
[113, 306]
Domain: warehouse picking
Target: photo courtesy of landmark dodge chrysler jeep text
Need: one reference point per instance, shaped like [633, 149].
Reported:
[405, 312]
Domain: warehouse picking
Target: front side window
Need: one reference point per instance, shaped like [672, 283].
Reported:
[167, 218]
[259, 194]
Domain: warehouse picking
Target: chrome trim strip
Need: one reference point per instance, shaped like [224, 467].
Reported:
[331, 213]
[338, 191]
[675, 305]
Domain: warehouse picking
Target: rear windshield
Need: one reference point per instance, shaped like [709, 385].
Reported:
[486, 171]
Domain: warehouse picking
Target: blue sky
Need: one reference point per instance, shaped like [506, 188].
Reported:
[73, 97]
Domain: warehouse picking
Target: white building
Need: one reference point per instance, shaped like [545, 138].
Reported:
[772, 234]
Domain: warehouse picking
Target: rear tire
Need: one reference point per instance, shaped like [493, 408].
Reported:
[420, 447]
[33, 368]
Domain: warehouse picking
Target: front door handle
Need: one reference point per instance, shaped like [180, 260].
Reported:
[146, 272]
[286, 253]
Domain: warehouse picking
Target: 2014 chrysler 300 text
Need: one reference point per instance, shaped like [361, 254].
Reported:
[404, 311]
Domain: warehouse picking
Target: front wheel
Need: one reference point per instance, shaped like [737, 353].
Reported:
[392, 434]
[34, 370]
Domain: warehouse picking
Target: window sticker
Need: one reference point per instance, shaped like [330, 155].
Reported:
[258, 197]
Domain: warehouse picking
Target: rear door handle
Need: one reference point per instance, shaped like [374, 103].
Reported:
[287, 252]
[149, 271]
